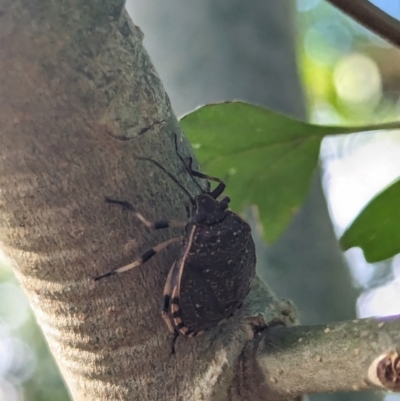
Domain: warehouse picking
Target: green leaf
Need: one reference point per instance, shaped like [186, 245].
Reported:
[266, 158]
[377, 228]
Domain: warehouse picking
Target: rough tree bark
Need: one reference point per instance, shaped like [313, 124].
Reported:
[79, 98]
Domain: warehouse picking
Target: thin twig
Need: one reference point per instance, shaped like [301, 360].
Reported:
[372, 18]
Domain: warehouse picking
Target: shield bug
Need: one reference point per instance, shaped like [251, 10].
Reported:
[212, 276]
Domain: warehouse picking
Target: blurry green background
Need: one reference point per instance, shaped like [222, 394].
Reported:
[349, 76]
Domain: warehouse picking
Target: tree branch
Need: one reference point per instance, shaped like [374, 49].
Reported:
[347, 356]
[372, 17]
[79, 98]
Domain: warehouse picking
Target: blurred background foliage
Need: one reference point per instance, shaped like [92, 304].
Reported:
[352, 77]
[349, 76]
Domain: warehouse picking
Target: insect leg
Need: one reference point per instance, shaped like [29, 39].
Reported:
[224, 202]
[157, 225]
[166, 306]
[188, 167]
[167, 299]
[220, 187]
[191, 171]
[144, 258]
[174, 338]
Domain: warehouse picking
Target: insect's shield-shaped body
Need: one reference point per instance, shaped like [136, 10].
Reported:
[216, 266]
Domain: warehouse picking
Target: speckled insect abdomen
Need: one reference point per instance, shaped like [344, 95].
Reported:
[216, 273]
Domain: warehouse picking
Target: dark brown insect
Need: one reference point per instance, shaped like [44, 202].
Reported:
[212, 276]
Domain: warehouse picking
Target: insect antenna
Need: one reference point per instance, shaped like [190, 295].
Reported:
[173, 178]
[188, 168]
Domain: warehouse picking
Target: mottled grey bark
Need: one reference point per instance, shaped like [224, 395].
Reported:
[79, 98]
